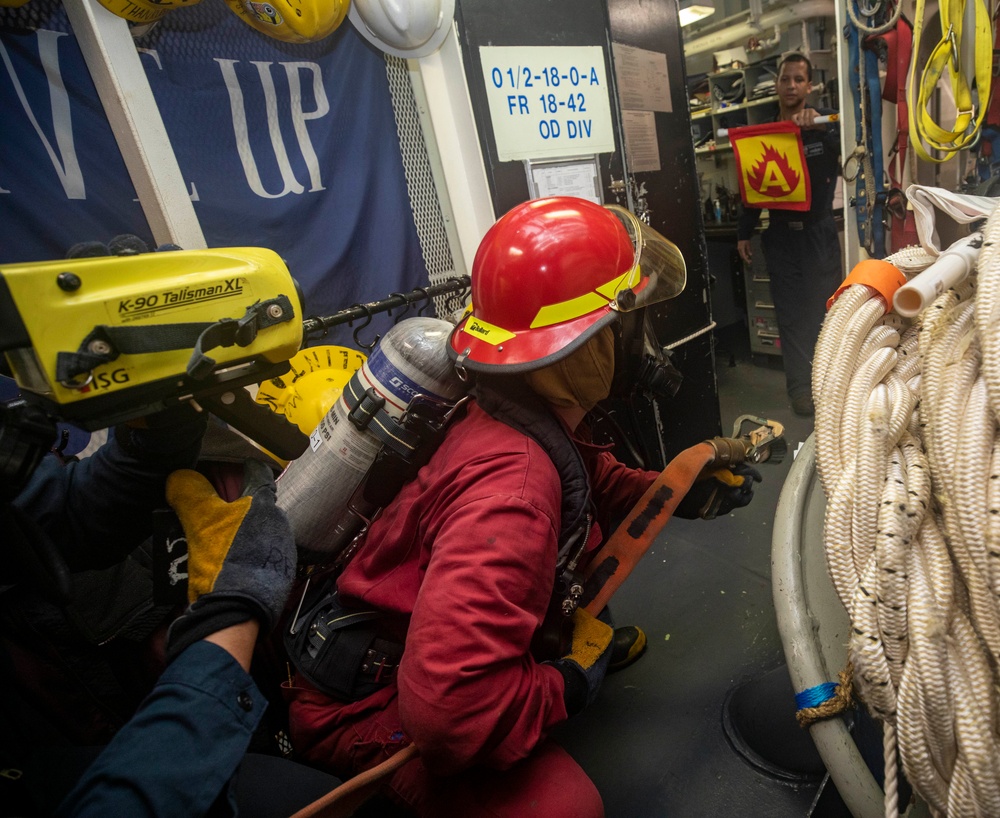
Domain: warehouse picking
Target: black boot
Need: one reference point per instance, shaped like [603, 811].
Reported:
[628, 644]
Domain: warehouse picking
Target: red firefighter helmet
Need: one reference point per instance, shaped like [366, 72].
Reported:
[551, 273]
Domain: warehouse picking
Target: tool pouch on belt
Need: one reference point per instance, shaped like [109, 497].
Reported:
[340, 651]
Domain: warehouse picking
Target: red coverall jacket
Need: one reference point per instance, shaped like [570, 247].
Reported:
[464, 560]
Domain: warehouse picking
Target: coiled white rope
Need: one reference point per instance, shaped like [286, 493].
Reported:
[908, 453]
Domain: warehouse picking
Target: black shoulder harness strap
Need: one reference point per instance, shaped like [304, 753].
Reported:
[511, 402]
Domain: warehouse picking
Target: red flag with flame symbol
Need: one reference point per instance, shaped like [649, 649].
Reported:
[771, 166]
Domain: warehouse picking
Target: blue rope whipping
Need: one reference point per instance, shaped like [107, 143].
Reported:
[815, 696]
[811, 703]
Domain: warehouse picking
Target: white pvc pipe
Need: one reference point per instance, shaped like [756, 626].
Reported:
[951, 267]
[820, 120]
[741, 31]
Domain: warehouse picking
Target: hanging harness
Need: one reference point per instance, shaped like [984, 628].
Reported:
[870, 194]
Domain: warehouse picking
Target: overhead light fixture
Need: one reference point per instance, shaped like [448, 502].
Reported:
[693, 10]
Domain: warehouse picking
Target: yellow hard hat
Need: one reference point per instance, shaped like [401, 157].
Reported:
[307, 391]
[143, 11]
[298, 22]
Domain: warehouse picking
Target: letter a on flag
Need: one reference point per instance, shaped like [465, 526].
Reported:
[771, 166]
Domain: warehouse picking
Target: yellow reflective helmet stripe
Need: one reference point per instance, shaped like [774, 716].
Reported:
[484, 331]
[586, 303]
[567, 310]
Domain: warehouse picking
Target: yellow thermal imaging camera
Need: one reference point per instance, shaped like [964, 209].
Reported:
[98, 341]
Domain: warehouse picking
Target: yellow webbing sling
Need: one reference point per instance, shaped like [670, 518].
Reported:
[923, 127]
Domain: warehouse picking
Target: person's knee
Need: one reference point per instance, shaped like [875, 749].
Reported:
[558, 787]
[586, 800]
[547, 784]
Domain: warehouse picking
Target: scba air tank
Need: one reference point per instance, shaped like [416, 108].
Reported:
[411, 359]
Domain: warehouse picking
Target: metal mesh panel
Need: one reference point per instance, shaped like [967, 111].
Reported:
[424, 201]
[32, 16]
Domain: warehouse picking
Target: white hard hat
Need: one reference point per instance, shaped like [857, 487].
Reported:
[404, 28]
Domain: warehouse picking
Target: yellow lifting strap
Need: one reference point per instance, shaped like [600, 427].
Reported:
[946, 55]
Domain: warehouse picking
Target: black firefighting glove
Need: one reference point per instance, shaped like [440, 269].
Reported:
[585, 666]
[126, 244]
[719, 493]
[172, 436]
[241, 555]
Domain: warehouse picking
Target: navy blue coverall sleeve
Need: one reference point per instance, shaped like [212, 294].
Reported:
[178, 753]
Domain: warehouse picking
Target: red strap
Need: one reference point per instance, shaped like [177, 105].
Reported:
[891, 88]
[993, 112]
[904, 232]
[899, 42]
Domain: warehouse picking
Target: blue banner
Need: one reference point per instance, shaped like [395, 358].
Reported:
[291, 147]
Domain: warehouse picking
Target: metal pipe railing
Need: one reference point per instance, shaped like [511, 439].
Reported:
[356, 312]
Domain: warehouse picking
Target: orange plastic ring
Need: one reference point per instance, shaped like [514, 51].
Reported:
[880, 275]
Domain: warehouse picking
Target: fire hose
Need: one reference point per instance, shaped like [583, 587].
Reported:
[621, 553]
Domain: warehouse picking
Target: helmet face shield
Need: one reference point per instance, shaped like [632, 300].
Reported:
[658, 273]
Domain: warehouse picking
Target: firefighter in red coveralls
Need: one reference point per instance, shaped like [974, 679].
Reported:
[461, 567]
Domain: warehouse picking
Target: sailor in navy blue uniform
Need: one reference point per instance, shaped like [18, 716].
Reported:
[801, 249]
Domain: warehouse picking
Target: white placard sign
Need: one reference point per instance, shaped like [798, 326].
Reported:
[643, 80]
[641, 146]
[578, 177]
[547, 102]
